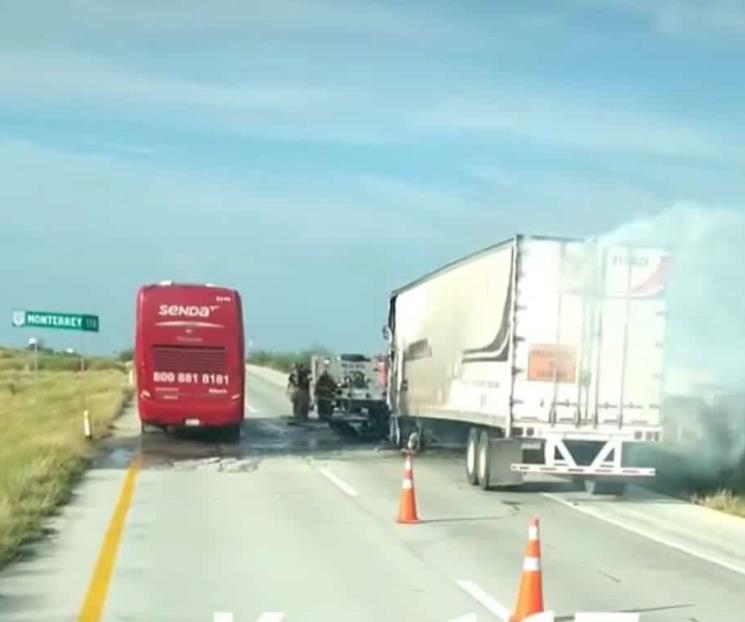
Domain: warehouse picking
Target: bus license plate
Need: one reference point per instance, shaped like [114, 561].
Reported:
[192, 423]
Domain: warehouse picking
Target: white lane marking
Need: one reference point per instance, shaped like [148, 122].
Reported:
[271, 616]
[486, 600]
[222, 616]
[469, 617]
[586, 616]
[640, 532]
[251, 409]
[339, 483]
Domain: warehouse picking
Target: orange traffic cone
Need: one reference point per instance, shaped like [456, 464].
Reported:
[407, 500]
[530, 596]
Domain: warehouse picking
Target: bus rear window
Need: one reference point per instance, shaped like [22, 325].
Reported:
[209, 360]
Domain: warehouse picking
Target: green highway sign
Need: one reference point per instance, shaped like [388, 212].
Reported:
[65, 321]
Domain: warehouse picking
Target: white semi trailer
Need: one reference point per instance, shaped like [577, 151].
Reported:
[546, 354]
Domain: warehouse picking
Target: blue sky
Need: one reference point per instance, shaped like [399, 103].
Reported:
[315, 155]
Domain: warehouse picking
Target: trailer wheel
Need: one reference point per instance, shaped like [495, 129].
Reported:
[482, 463]
[394, 431]
[471, 456]
[414, 441]
[605, 487]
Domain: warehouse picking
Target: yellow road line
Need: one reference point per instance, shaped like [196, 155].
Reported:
[98, 588]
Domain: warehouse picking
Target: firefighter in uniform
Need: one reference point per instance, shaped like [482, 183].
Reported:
[298, 386]
[292, 379]
[325, 394]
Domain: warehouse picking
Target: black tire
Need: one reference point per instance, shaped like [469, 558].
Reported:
[482, 462]
[400, 431]
[414, 439]
[605, 487]
[233, 433]
[470, 457]
[394, 432]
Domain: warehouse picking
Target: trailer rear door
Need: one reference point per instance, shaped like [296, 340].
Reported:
[589, 327]
[549, 331]
[626, 386]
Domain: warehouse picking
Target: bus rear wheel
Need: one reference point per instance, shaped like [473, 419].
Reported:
[233, 433]
[148, 428]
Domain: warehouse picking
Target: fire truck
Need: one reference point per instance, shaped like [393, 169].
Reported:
[361, 387]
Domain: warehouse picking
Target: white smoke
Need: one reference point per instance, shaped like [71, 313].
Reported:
[706, 287]
[705, 350]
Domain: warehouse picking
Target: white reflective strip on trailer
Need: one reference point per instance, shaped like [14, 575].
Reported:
[532, 564]
[540, 468]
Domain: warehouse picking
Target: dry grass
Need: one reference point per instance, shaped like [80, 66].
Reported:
[694, 477]
[42, 449]
[724, 501]
[23, 360]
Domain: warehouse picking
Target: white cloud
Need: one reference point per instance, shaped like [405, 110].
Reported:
[82, 193]
[693, 18]
[77, 78]
[64, 21]
[578, 122]
[290, 108]
[385, 96]
[352, 111]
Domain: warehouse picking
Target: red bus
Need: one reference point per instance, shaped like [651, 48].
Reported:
[189, 357]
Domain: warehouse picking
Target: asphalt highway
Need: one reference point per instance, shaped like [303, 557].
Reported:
[296, 523]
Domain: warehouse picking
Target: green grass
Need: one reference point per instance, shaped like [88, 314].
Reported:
[42, 449]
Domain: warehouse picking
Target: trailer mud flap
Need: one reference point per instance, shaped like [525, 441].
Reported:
[503, 453]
